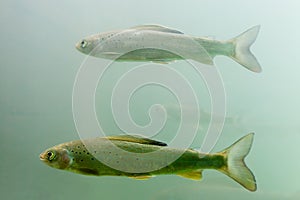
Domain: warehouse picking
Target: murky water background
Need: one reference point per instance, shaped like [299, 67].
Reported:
[38, 68]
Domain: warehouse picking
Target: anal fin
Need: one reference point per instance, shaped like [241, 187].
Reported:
[144, 177]
[161, 62]
[194, 175]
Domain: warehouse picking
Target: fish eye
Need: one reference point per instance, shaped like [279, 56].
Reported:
[83, 43]
[51, 155]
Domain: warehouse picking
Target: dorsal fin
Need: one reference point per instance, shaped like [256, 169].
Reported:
[136, 139]
[154, 27]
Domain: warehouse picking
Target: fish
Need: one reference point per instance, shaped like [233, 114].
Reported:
[161, 44]
[75, 157]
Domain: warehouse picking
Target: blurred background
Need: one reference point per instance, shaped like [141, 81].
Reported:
[39, 64]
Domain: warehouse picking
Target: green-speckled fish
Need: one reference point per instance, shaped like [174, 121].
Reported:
[74, 156]
[162, 44]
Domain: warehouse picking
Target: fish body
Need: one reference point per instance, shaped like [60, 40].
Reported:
[161, 44]
[75, 157]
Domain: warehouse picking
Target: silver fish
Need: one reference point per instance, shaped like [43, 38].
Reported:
[163, 45]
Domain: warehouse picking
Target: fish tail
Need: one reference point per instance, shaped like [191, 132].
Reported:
[236, 167]
[242, 53]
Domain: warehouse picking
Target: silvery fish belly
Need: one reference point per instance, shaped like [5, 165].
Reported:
[141, 158]
[161, 44]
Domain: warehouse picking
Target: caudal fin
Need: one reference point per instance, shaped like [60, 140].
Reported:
[236, 167]
[242, 53]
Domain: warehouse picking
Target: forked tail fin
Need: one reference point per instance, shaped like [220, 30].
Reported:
[236, 167]
[242, 53]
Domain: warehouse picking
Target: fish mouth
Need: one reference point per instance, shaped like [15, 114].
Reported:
[42, 157]
[77, 45]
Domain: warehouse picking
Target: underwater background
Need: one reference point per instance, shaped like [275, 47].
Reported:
[39, 64]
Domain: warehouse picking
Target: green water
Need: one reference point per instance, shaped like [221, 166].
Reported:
[39, 64]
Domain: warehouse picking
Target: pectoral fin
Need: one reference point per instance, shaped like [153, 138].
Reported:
[195, 175]
[136, 139]
[157, 28]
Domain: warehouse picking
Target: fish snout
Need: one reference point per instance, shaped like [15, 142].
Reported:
[77, 45]
[42, 156]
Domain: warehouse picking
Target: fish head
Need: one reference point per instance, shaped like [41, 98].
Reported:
[56, 157]
[95, 44]
[86, 45]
